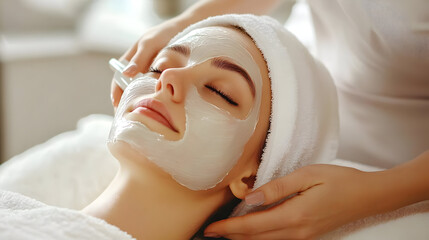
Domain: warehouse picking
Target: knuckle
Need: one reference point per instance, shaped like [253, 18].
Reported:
[148, 41]
[141, 43]
[278, 189]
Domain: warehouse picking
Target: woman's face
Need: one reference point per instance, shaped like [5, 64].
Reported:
[211, 97]
[219, 80]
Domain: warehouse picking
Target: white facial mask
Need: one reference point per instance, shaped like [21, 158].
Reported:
[214, 139]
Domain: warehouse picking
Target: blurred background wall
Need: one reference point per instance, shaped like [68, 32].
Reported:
[54, 60]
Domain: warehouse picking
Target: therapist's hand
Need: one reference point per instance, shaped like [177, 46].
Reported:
[141, 54]
[326, 197]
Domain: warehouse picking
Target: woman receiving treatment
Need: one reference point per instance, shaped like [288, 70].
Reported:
[193, 134]
[176, 144]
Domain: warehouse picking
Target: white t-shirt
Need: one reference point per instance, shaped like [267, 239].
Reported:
[378, 54]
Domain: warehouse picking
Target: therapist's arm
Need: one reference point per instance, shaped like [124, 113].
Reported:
[142, 53]
[327, 197]
[409, 182]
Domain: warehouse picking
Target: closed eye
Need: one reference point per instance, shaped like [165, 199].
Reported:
[155, 70]
[221, 94]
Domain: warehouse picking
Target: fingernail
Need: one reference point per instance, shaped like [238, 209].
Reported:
[255, 199]
[213, 235]
[130, 69]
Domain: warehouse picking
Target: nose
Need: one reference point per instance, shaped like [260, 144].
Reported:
[172, 83]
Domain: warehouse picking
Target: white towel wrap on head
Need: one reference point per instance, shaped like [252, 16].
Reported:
[304, 114]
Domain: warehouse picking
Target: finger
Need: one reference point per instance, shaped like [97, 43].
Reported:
[115, 90]
[237, 236]
[249, 224]
[281, 188]
[282, 234]
[130, 53]
[131, 69]
[115, 94]
[286, 233]
[139, 62]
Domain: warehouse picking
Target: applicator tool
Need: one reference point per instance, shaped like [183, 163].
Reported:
[118, 67]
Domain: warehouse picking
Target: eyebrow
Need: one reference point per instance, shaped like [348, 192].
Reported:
[217, 62]
[182, 49]
[228, 65]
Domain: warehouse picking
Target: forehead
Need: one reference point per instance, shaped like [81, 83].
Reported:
[219, 41]
[218, 38]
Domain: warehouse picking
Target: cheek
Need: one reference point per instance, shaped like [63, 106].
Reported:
[237, 93]
[247, 105]
[209, 149]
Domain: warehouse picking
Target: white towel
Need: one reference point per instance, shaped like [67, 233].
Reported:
[76, 164]
[304, 114]
[25, 218]
[24, 173]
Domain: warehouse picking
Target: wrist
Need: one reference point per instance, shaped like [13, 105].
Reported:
[411, 180]
[377, 193]
[371, 195]
[399, 186]
[384, 191]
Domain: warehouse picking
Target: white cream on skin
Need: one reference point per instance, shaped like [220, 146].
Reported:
[214, 139]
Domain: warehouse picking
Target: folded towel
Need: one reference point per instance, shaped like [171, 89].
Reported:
[65, 164]
[25, 218]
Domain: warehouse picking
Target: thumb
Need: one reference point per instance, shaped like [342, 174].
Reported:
[278, 189]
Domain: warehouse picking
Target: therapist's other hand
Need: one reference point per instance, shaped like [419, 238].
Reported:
[141, 54]
[327, 197]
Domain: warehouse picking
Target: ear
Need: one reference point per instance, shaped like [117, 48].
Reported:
[243, 183]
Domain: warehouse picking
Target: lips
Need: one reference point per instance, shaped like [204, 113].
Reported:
[155, 110]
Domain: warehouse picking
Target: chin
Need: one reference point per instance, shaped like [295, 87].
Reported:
[133, 161]
[124, 152]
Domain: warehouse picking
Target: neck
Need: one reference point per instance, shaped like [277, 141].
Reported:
[148, 206]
